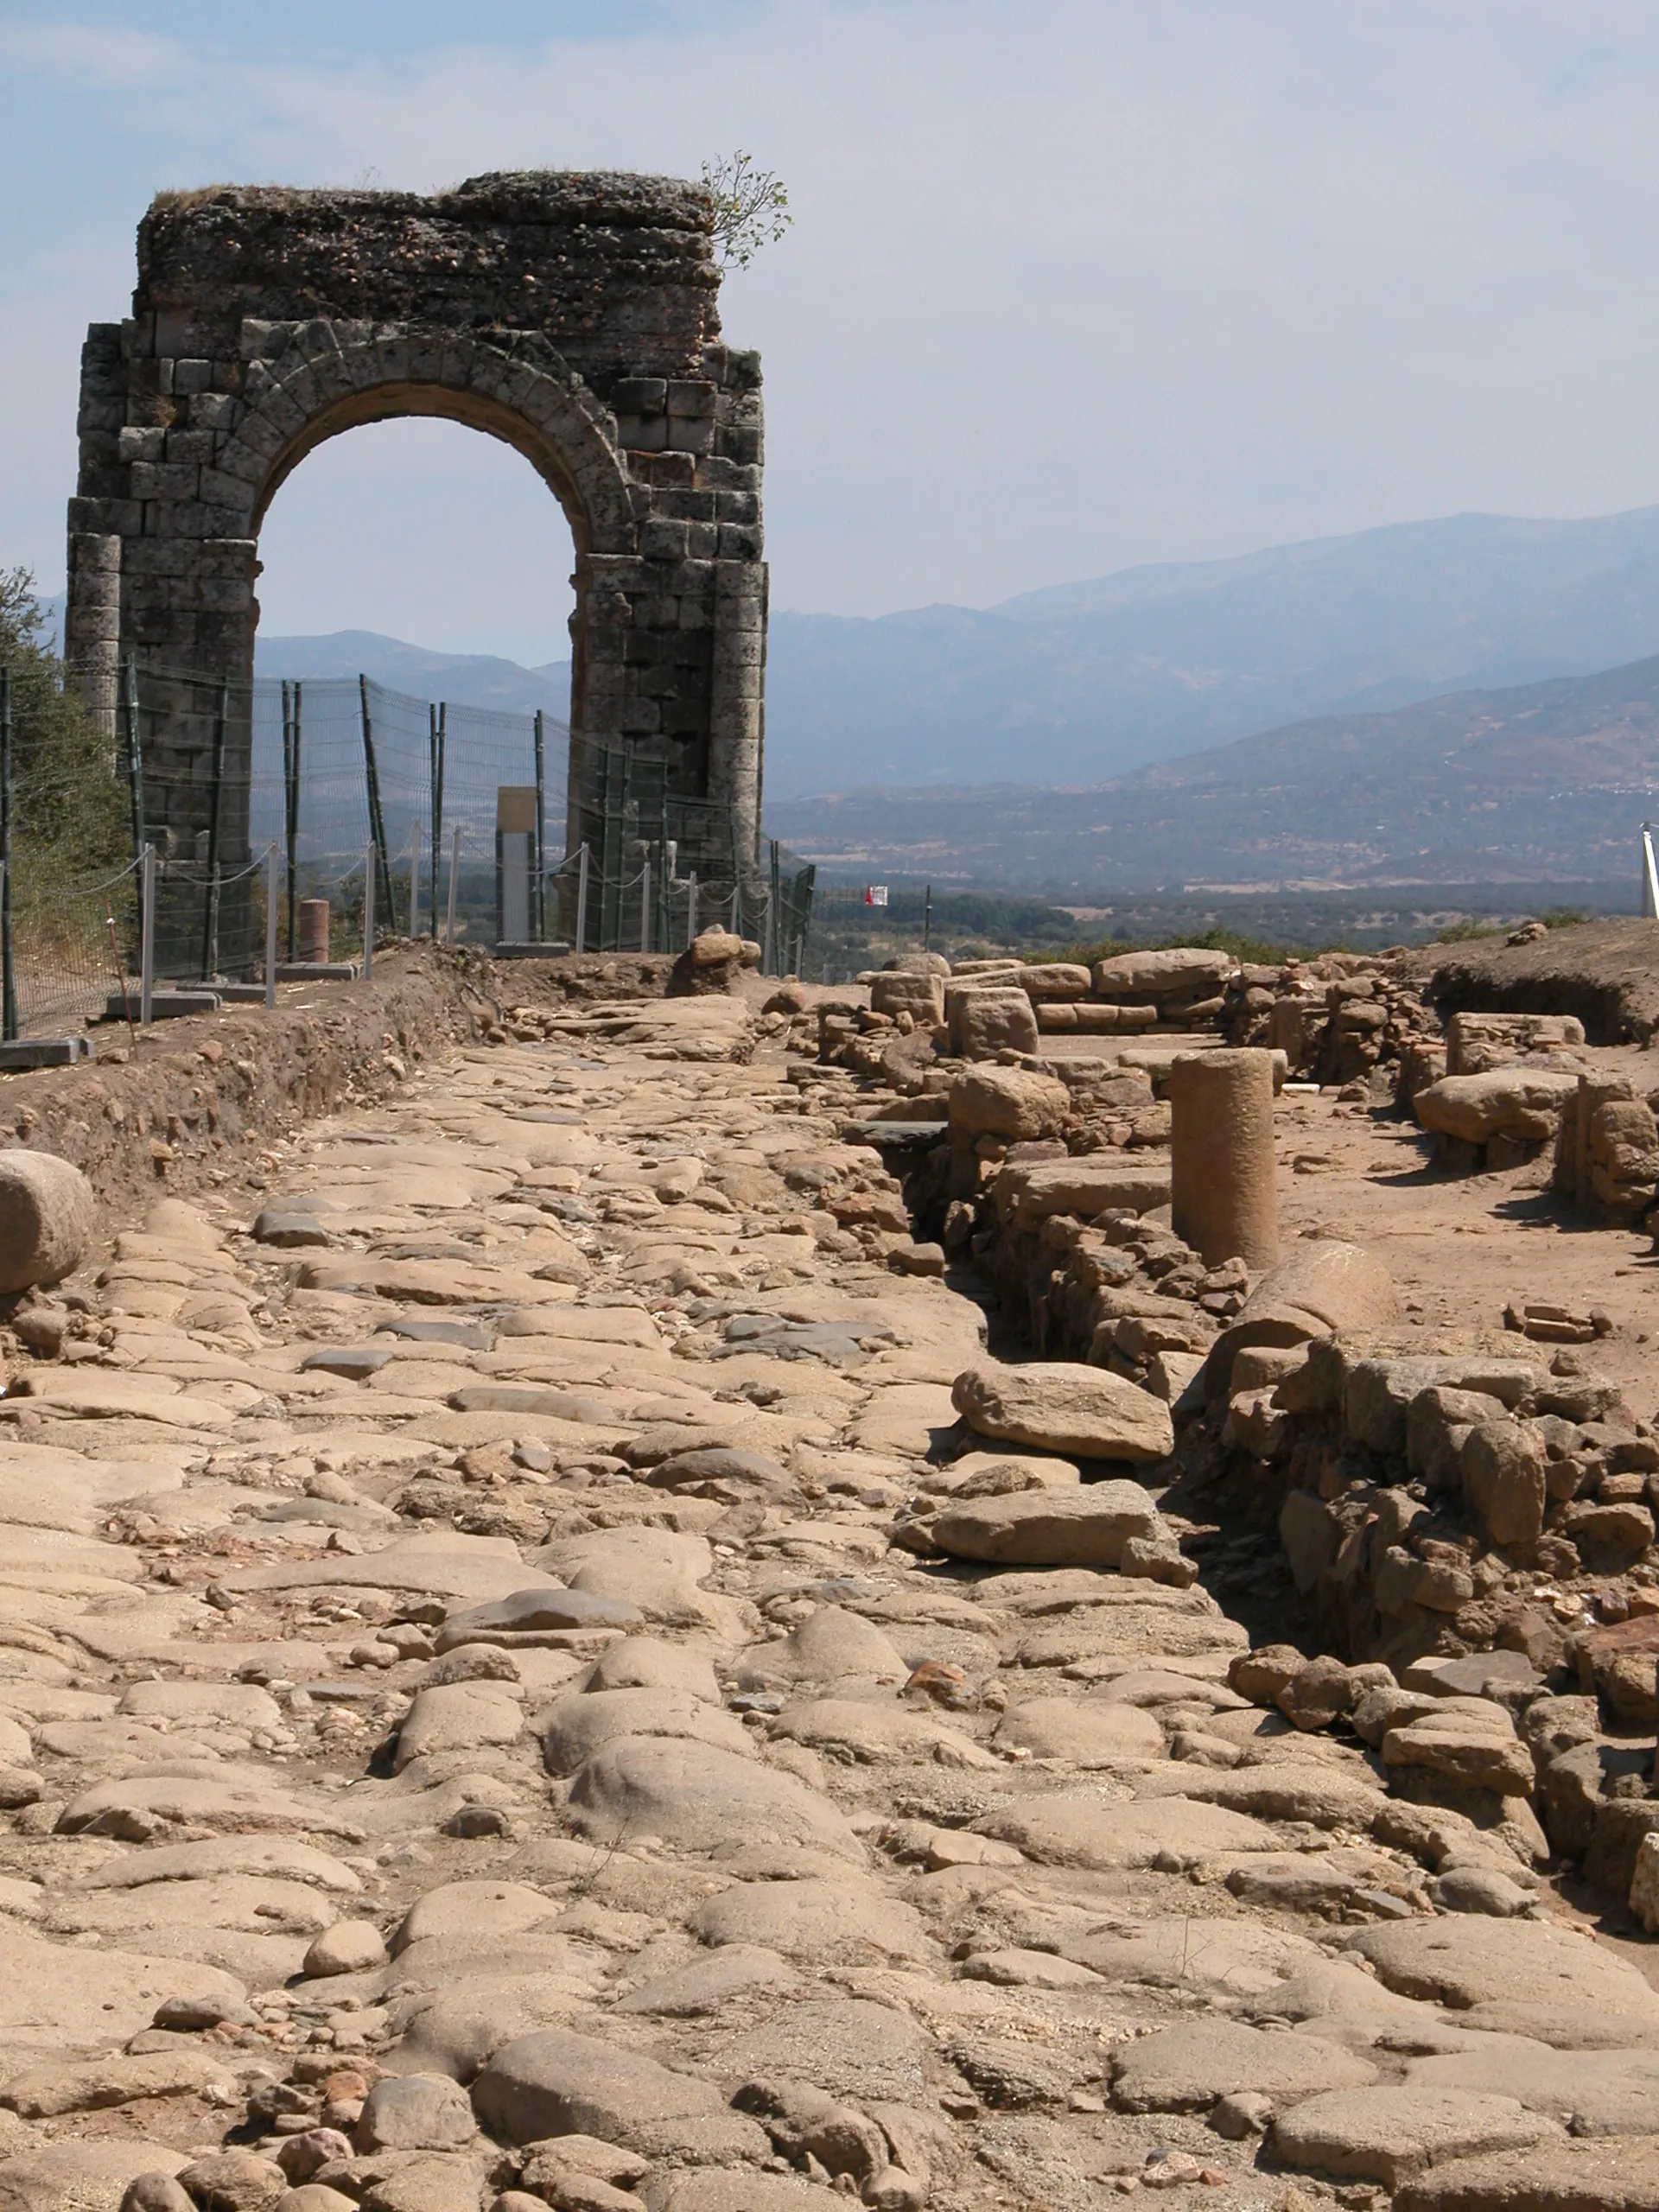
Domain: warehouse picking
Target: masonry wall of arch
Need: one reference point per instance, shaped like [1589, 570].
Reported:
[574, 316]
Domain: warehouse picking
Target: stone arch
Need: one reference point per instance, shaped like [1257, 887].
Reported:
[537, 407]
[572, 316]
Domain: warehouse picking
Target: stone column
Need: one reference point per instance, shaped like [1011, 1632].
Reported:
[92, 625]
[1223, 1198]
[734, 705]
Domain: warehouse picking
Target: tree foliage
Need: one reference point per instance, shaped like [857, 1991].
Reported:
[69, 818]
[751, 207]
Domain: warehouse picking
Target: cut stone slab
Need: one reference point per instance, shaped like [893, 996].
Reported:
[1524, 1104]
[709, 1984]
[455, 1717]
[1278, 1789]
[555, 2083]
[575, 1728]
[46, 2092]
[1063, 1830]
[831, 1644]
[88, 1393]
[1223, 1959]
[701, 1799]
[278, 1857]
[846, 2046]
[644, 1663]
[1089, 1733]
[1464, 1960]
[141, 1804]
[1188, 2066]
[56, 1998]
[1078, 1412]
[533, 1611]
[1550, 2176]
[86, 2177]
[442, 1564]
[814, 1921]
[1085, 1527]
[1588, 2092]
[871, 1732]
[1388, 2134]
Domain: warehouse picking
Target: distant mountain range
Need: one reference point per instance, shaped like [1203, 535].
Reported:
[1546, 782]
[1086, 681]
[466, 679]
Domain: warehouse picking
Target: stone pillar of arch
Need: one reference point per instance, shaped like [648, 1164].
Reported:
[573, 315]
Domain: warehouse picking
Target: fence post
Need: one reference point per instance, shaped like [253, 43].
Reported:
[147, 937]
[737, 910]
[211, 963]
[8, 959]
[215, 796]
[134, 756]
[270, 923]
[581, 898]
[645, 904]
[377, 825]
[774, 919]
[691, 910]
[436, 717]
[540, 833]
[927, 920]
[371, 857]
[1650, 873]
[414, 878]
[454, 871]
[291, 805]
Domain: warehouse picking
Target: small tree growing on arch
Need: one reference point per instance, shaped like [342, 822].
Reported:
[751, 207]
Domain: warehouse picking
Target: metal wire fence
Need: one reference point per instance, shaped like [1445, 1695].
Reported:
[460, 811]
[64, 958]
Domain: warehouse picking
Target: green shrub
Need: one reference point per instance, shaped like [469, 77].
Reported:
[70, 819]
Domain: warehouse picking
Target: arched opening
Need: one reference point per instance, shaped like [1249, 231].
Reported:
[413, 667]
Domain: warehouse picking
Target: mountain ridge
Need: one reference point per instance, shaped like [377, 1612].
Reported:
[1534, 783]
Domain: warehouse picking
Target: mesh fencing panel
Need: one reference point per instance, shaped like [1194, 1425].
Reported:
[213, 776]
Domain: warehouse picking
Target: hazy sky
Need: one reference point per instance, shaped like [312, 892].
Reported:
[1073, 283]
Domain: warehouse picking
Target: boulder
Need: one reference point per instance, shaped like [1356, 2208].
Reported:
[1388, 2134]
[819, 1921]
[987, 1022]
[575, 1728]
[1085, 1527]
[710, 962]
[1030, 1192]
[1085, 1732]
[1079, 1412]
[349, 1947]
[922, 997]
[1502, 1465]
[1189, 972]
[416, 2112]
[1558, 2175]
[1325, 1288]
[1017, 1103]
[1476, 1043]
[553, 2083]
[1524, 1104]
[1054, 979]
[699, 1798]
[48, 1215]
[1187, 2068]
